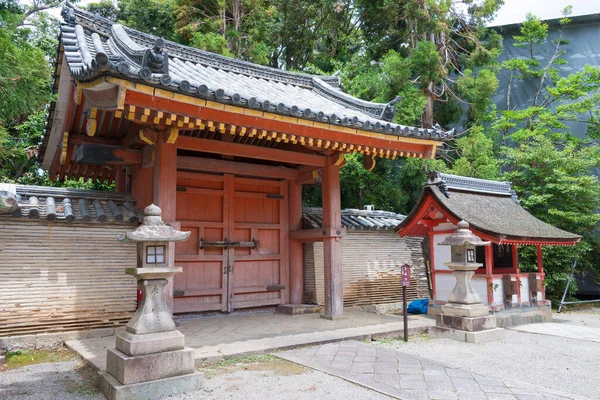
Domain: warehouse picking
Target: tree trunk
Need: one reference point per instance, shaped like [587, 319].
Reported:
[427, 117]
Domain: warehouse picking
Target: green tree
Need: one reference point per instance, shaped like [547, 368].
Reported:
[441, 39]
[393, 185]
[556, 185]
[556, 99]
[551, 169]
[476, 156]
[24, 86]
[230, 27]
[152, 16]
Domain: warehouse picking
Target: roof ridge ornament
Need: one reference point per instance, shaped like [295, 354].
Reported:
[389, 112]
[435, 179]
[68, 14]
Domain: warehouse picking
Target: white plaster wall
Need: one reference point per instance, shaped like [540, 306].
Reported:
[498, 292]
[441, 254]
[524, 290]
[444, 283]
[480, 286]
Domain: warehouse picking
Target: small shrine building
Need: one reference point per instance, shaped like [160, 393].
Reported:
[493, 212]
[223, 147]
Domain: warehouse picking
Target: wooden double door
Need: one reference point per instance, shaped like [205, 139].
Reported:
[237, 253]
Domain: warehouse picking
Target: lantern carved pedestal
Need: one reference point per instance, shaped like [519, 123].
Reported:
[150, 359]
[464, 317]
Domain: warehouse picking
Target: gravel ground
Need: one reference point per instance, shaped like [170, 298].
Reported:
[52, 381]
[276, 380]
[269, 382]
[589, 317]
[566, 365]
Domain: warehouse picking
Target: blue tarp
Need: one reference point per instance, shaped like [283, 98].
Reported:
[418, 306]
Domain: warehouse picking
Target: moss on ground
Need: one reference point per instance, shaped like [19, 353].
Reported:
[260, 362]
[23, 358]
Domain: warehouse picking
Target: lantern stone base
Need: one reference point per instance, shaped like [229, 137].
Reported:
[149, 343]
[465, 310]
[134, 369]
[115, 390]
[484, 336]
[466, 324]
[471, 323]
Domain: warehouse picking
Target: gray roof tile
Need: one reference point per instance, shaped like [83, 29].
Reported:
[490, 207]
[71, 205]
[353, 219]
[95, 46]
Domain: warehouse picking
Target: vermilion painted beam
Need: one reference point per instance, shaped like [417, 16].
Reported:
[236, 168]
[228, 117]
[317, 234]
[85, 139]
[248, 151]
[100, 154]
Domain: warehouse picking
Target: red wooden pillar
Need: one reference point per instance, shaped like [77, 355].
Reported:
[120, 179]
[141, 185]
[332, 246]
[489, 271]
[515, 260]
[540, 267]
[432, 262]
[164, 194]
[165, 178]
[296, 254]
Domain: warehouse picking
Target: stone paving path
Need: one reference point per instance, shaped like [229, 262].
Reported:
[564, 330]
[227, 336]
[404, 376]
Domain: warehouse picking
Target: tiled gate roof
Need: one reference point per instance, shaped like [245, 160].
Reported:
[353, 219]
[70, 205]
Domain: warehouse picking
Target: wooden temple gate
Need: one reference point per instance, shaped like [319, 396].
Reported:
[223, 147]
[234, 258]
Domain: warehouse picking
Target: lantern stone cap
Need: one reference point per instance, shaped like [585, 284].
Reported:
[463, 237]
[153, 229]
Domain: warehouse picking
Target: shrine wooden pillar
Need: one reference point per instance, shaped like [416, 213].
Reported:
[515, 261]
[296, 254]
[165, 194]
[489, 271]
[540, 268]
[332, 246]
[121, 179]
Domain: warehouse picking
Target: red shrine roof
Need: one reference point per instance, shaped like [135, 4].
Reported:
[490, 207]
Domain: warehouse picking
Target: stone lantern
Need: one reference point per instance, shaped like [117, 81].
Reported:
[462, 263]
[150, 359]
[464, 317]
